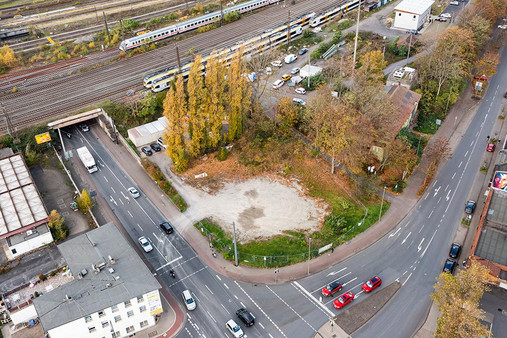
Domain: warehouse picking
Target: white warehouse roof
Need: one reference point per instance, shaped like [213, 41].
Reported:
[414, 6]
[148, 132]
[20, 202]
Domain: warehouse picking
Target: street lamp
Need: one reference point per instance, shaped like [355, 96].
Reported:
[309, 243]
[382, 203]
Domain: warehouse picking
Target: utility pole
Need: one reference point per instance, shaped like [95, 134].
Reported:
[357, 34]
[409, 45]
[221, 13]
[107, 28]
[121, 27]
[178, 59]
[235, 246]
[96, 14]
[288, 26]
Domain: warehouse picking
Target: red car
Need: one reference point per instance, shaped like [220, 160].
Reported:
[343, 300]
[491, 147]
[372, 284]
[331, 289]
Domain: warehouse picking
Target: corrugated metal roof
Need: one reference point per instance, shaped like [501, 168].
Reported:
[414, 6]
[148, 132]
[20, 202]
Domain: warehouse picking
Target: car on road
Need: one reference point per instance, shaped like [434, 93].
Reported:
[286, 77]
[145, 244]
[188, 300]
[84, 127]
[133, 191]
[147, 151]
[450, 265]
[301, 91]
[505, 95]
[246, 317]
[331, 289]
[166, 227]
[372, 284]
[299, 101]
[160, 142]
[470, 207]
[454, 3]
[303, 51]
[343, 300]
[277, 84]
[441, 19]
[234, 329]
[156, 147]
[491, 147]
[294, 71]
[446, 15]
[455, 250]
[277, 63]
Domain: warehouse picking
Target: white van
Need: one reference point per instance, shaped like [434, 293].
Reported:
[269, 71]
[188, 300]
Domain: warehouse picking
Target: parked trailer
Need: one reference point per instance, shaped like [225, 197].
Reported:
[87, 159]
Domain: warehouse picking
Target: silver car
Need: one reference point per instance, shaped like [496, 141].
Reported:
[145, 244]
[133, 191]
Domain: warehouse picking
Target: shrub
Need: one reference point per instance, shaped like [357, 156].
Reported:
[222, 154]
[41, 277]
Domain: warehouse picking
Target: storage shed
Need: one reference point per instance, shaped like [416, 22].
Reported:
[412, 14]
[149, 132]
[309, 71]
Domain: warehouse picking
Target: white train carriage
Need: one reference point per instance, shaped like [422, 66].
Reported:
[333, 12]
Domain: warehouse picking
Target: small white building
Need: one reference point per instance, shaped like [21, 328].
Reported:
[149, 132]
[308, 70]
[412, 14]
[114, 294]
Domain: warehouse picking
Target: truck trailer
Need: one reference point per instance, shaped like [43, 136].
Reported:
[87, 159]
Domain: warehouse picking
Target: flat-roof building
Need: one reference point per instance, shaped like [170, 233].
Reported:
[412, 14]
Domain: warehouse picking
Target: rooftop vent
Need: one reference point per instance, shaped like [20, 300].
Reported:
[108, 285]
[111, 260]
[69, 298]
[84, 272]
[111, 270]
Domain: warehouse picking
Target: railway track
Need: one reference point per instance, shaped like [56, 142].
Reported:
[42, 101]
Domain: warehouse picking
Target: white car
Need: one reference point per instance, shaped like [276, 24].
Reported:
[277, 63]
[446, 15]
[145, 244]
[133, 191]
[301, 90]
[295, 70]
[502, 26]
[454, 3]
[188, 300]
[234, 328]
[84, 128]
[297, 100]
[278, 83]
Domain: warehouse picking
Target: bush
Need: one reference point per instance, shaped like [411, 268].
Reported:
[222, 154]
[155, 173]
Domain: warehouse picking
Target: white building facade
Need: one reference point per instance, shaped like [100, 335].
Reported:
[411, 15]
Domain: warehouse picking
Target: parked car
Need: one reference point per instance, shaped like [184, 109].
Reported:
[294, 71]
[441, 19]
[277, 63]
[84, 127]
[188, 300]
[303, 51]
[491, 147]
[246, 317]
[269, 71]
[277, 84]
[160, 142]
[301, 91]
[470, 207]
[455, 250]
[454, 3]
[166, 227]
[145, 244]
[446, 15]
[331, 289]
[234, 329]
[343, 300]
[299, 101]
[156, 147]
[503, 27]
[450, 265]
[372, 284]
[286, 77]
[133, 191]
[147, 151]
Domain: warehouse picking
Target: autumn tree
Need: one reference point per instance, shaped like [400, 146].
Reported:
[399, 158]
[372, 68]
[287, 113]
[476, 24]
[215, 81]
[175, 109]
[487, 64]
[57, 225]
[7, 57]
[196, 109]
[239, 94]
[84, 202]
[457, 298]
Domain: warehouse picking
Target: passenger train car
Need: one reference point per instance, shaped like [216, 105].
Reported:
[333, 12]
[189, 25]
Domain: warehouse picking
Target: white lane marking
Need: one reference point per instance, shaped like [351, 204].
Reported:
[291, 308]
[406, 280]
[460, 164]
[427, 246]
[124, 196]
[335, 272]
[169, 262]
[419, 247]
[436, 191]
[434, 183]
[447, 197]
[309, 296]
[406, 237]
[350, 281]
[438, 202]
[106, 179]
[218, 277]
[261, 325]
[160, 240]
[393, 234]
[431, 213]
[426, 197]
[140, 227]
[112, 200]
[421, 228]
[113, 190]
[121, 202]
[208, 289]
[211, 316]
[130, 213]
[466, 153]
[472, 143]
[224, 307]
[447, 187]
[453, 175]
[227, 287]
[243, 305]
[257, 305]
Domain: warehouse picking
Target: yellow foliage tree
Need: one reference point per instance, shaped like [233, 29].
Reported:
[215, 112]
[238, 98]
[372, 68]
[84, 202]
[196, 109]
[7, 57]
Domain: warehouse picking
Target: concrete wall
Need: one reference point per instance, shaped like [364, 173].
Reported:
[29, 245]
[23, 315]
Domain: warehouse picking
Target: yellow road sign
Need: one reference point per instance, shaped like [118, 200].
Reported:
[42, 138]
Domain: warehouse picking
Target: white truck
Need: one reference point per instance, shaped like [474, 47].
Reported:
[87, 159]
[290, 58]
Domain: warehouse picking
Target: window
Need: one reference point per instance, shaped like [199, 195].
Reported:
[127, 303]
[144, 323]
[92, 329]
[88, 319]
[114, 308]
[140, 299]
[105, 324]
[142, 308]
[117, 319]
[101, 314]
[116, 334]
[14, 251]
[399, 14]
[130, 329]
[130, 313]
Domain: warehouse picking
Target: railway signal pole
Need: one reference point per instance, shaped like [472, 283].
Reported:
[107, 28]
[288, 26]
